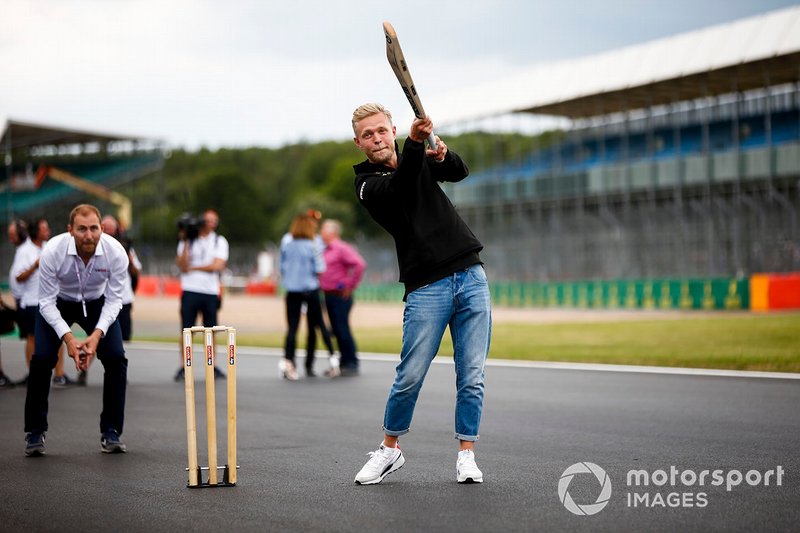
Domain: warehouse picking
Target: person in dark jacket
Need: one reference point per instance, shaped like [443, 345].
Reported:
[440, 266]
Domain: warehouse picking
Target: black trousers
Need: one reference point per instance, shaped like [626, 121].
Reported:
[193, 303]
[294, 305]
[125, 323]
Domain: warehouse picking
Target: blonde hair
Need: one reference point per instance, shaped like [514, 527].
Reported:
[367, 110]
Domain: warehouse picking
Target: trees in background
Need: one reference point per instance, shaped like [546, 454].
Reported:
[257, 191]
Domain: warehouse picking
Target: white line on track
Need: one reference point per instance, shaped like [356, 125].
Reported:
[544, 365]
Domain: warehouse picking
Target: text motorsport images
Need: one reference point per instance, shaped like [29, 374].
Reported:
[644, 488]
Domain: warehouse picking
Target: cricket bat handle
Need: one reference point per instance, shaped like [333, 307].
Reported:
[432, 141]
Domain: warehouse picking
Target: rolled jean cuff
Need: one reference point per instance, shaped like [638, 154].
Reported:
[468, 438]
[395, 433]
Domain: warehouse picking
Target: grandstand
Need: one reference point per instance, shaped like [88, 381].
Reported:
[680, 159]
[112, 161]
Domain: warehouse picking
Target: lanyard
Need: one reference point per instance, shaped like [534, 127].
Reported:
[82, 284]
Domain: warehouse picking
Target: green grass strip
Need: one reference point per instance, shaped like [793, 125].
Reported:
[768, 342]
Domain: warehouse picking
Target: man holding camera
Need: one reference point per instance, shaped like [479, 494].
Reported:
[201, 258]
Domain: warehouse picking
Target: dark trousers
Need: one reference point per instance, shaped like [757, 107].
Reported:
[125, 324]
[193, 303]
[339, 315]
[294, 305]
[45, 355]
[19, 318]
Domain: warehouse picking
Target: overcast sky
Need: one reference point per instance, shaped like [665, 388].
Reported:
[265, 73]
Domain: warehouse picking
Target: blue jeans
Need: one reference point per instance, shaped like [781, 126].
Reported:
[460, 300]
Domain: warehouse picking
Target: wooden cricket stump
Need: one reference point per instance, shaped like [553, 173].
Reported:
[195, 471]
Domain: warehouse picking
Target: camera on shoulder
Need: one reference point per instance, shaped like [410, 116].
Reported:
[190, 225]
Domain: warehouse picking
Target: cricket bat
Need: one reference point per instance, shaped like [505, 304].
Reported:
[398, 62]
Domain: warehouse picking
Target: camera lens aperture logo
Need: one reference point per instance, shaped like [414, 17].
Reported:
[590, 508]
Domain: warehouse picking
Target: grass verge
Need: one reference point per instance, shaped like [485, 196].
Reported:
[769, 342]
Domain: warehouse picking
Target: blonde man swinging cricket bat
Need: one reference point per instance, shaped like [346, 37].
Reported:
[445, 283]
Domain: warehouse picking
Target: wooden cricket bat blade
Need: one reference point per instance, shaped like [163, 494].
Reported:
[398, 63]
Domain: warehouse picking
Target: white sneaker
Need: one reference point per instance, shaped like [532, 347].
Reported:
[466, 469]
[287, 370]
[334, 370]
[382, 462]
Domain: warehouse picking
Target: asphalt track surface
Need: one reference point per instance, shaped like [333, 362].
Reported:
[300, 445]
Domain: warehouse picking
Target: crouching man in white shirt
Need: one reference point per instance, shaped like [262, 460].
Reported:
[81, 277]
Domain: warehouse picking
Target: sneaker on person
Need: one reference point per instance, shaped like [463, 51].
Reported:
[62, 382]
[333, 371]
[179, 375]
[110, 443]
[382, 462]
[287, 370]
[466, 469]
[219, 373]
[82, 375]
[34, 444]
[6, 382]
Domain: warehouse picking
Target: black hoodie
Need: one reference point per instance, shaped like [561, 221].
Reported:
[431, 239]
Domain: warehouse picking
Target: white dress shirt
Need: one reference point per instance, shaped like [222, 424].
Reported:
[127, 291]
[202, 252]
[26, 256]
[13, 284]
[64, 275]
